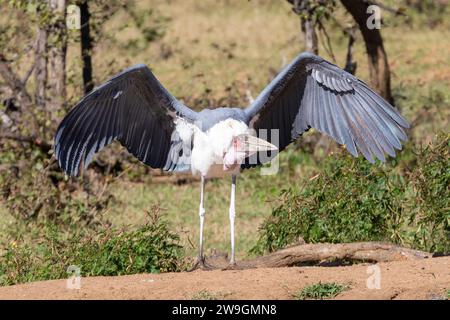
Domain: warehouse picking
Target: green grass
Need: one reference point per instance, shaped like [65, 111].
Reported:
[320, 291]
[208, 295]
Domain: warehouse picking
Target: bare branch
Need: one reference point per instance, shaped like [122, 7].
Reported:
[328, 47]
[13, 81]
[28, 74]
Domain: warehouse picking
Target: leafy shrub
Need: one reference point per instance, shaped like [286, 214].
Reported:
[405, 202]
[150, 248]
[430, 199]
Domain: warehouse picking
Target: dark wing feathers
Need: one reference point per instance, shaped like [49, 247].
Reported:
[311, 92]
[133, 108]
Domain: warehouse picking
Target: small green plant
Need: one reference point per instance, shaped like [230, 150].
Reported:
[207, 295]
[320, 291]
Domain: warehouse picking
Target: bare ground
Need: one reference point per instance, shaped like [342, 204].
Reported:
[419, 279]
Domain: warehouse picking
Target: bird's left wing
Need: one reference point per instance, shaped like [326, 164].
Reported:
[132, 107]
[311, 92]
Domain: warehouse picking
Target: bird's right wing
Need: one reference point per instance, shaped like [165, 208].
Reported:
[133, 108]
[311, 92]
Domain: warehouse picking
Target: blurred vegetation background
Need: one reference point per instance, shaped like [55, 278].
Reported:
[120, 217]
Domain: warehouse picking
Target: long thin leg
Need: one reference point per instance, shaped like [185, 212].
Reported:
[232, 213]
[201, 213]
[201, 263]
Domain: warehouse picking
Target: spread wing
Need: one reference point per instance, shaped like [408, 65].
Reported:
[311, 92]
[132, 108]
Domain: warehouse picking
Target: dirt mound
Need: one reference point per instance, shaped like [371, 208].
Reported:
[419, 279]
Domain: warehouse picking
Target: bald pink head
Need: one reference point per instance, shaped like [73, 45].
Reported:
[244, 146]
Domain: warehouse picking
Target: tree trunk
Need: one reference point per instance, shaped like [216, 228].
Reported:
[311, 44]
[325, 254]
[307, 25]
[57, 56]
[350, 64]
[380, 76]
[309, 35]
[86, 47]
[40, 72]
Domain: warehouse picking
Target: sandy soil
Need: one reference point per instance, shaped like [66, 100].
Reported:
[424, 279]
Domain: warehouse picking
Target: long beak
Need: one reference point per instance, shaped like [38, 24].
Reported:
[251, 144]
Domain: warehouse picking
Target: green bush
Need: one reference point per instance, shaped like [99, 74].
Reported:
[405, 201]
[150, 248]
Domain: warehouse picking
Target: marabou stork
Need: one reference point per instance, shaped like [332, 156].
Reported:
[135, 109]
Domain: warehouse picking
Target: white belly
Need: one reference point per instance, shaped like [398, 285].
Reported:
[209, 148]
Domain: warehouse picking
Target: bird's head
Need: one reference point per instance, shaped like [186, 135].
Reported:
[243, 146]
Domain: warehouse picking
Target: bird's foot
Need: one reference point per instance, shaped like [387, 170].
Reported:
[232, 266]
[201, 264]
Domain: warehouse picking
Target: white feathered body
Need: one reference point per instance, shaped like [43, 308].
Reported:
[210, 147]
